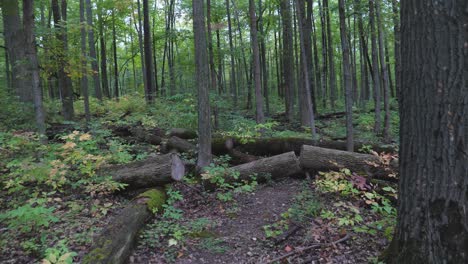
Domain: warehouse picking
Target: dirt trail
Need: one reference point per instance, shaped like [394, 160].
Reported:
[243, 235]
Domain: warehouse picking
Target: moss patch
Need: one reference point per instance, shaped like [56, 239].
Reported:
[155, 199]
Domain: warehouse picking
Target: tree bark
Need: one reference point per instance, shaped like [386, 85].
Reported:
[103, 52]
[347, 78]
[432, 223]
[149, 89]
[384, 73]
[232, 78]
[116, 65]
[331, 55]
[375, 68]
[31, 55]
[84, 63]
[202, 70]
[307, 112]
[92, 50]
[259, 115]
[66, 90]
[288, 58]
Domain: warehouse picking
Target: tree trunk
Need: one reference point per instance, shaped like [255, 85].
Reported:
[307, 113]
[288, 58]
[232, 78]
[375, 68]
[347, 78]
[275, 167]
[324, 56]
[259, 115]
[31, 55]
[202, 70]
[103, 57]
[84, 63]
[64, 81]
[114, 244]
[210, 46]
[432, 223]
[396, 47]
[116, 66]
[15, 49]
[384, 73]
[149, 89]
[92, 50]
[331, 55]
[155, 171]
[140, 30]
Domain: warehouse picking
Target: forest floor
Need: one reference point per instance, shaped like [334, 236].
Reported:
[257, 227]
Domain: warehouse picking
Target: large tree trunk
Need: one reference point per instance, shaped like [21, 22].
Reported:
[15, 50]
[155, 171]
[114, 49]
[114, 244]
[202, 71]
[347, 78]
[432, 224]
[279, 166]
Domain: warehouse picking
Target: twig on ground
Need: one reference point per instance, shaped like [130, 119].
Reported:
[302, 249]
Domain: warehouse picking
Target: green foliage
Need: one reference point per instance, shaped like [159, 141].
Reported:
[305, 206]
[336, 182]
[59, 254]
[29, 217]
[248, 131]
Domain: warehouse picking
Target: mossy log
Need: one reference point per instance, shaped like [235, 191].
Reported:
[275, 167]
[323, 159]
[114, 244]
[183, 133]
[154, 171]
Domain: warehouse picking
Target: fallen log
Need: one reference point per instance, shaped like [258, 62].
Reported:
[275, 146]
[279, 166]
[183, 133]
[180, 145]
[154, 171]
[322, 159]
[115, 242]
[139, 133]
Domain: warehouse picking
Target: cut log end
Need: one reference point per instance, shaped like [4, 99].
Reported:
[177, 168]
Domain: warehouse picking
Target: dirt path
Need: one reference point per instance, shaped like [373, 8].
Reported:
[243, 235]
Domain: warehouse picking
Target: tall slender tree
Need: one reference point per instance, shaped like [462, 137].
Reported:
[149, 89]
[31, 55]
[347, 77]
[331, 55]
[375, 68]
[259, 116]
[202, 70]
[92, 50]
[288, 58]
[84, 62]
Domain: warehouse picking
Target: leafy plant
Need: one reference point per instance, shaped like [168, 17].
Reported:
[59, 254]
[29, 217]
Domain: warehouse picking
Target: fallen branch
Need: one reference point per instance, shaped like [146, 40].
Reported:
[302, 249]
